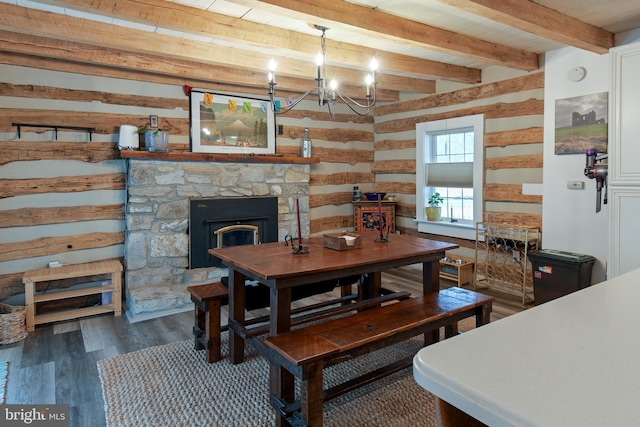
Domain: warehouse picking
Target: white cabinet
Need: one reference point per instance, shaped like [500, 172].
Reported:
[624, 160]
[624, 229]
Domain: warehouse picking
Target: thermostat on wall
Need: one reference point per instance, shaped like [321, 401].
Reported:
[577, 73]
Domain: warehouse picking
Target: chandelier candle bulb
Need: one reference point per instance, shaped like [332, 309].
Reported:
[272, 71]
[374, 68]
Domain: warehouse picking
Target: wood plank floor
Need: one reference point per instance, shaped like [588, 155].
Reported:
[57, 363]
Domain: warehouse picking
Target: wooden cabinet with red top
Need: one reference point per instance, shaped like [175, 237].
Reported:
[366, 215]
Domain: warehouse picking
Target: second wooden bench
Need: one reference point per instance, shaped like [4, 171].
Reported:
[306, 352]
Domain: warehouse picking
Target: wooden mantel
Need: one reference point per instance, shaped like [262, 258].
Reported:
[211, 157]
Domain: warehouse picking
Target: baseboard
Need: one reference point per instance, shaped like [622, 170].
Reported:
[148, 316]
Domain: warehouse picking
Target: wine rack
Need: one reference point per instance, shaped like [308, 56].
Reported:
[502, 260]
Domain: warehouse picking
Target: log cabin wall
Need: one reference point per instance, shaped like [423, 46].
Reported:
[513, 111]
[64, 199]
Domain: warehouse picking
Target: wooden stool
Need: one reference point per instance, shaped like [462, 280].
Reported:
[208, 299]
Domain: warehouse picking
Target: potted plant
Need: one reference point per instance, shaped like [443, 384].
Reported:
[434, 210]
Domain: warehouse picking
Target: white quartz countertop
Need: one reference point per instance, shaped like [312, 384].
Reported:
[574, 361]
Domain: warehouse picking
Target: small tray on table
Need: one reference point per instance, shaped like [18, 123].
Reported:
[342, 241]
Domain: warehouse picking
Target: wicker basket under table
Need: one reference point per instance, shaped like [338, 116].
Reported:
[12, 324]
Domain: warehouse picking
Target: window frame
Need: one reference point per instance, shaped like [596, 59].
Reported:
[423, 149]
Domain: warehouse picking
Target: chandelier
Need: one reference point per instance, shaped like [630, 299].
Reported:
[326, 96]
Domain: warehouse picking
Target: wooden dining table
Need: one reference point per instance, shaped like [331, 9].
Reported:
[276, 266]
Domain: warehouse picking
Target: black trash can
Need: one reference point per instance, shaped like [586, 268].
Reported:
[558, 273]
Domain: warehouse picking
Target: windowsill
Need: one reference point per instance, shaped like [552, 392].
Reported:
[447, 228]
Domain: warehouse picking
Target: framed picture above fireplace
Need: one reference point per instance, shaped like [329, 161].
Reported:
[231, 124]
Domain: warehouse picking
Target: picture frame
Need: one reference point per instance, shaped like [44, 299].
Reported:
[581, 124]
[228, 124]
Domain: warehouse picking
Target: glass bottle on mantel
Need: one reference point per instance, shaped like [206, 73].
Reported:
[305, 144]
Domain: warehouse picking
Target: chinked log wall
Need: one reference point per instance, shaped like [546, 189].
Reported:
[513, 110]
[64, 199]
[41, 220]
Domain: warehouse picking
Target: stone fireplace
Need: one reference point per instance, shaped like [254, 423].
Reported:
[157, 255]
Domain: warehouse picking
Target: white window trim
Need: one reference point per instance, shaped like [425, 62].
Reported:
[444, 228]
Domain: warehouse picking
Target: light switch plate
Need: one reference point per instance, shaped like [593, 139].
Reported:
[575, 185]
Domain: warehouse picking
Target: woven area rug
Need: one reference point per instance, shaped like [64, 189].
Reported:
[172, 385]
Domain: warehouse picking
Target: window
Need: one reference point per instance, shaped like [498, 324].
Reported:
[449, 161]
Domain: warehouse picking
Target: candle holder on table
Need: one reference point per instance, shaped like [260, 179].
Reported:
[381, 226]
[299, 249]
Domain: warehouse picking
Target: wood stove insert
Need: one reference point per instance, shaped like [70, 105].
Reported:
[220, 222]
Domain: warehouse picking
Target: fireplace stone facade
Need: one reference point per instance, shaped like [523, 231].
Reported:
[157, 217]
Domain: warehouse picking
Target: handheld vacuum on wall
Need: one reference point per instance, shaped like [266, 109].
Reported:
[596, 168]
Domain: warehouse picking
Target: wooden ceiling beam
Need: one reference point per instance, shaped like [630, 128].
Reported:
[51, 25]
[432, 38]
[534, 18]
[77, 56]
[179, 17]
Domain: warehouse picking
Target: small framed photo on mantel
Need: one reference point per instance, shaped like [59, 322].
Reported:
[231, 124]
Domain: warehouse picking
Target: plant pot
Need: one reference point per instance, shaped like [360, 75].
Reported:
[156, 140]
[434, 213]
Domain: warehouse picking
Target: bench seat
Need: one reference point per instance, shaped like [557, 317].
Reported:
[305, 352]
[210, 297]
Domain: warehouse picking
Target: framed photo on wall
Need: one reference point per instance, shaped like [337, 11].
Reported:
[231, 124]
[581, 124]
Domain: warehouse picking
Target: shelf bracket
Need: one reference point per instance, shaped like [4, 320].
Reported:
[54, 127]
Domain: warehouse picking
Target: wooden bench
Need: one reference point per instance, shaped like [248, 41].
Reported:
[208, 299]
[72, 271]
[306, 352]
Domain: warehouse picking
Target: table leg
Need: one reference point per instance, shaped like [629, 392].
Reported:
[430, 285]
[450, 416]
[116, 296]
[312, 395]
[431, 277]
[483, 314]
[281, 381]
[29, 292]
[236, 313]
[371, 285]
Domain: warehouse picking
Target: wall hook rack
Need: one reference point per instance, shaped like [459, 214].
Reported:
[54, 127]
